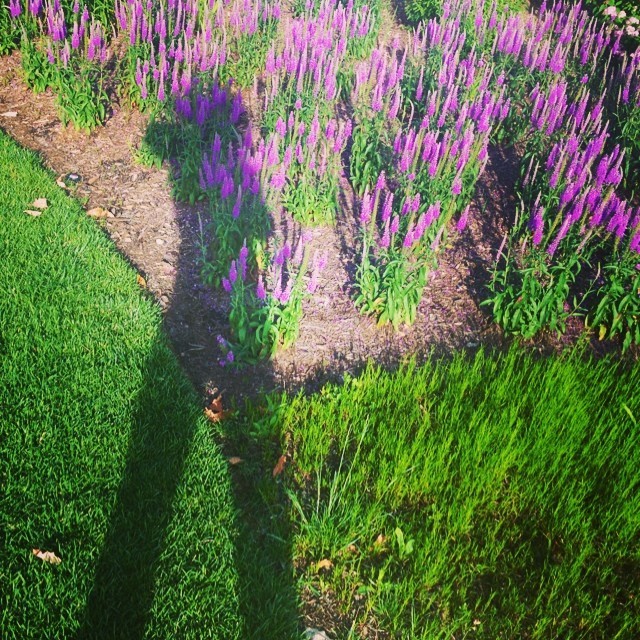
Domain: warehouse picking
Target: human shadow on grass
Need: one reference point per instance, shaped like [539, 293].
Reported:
[165, 570]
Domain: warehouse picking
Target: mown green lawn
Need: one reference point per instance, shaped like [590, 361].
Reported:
[105, 459]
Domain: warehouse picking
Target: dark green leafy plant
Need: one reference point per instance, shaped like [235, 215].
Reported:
[81, 96]
[418, 10]
[531, 294]
[618, 310]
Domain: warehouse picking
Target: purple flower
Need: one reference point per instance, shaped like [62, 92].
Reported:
[388, 204]
[15, 9]
[419, 90]
[395, 105]
[285, 296]
[261, 294]
[235, 213]
[456, 187]
[385, 240]
[537, 225]
[366, 207]
[408, 239]
[567, 194]
[278, 179]
[226, 285]
[233, 272]
[462, 222]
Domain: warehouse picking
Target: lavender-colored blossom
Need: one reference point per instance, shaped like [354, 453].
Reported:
[278, 179]
[15, 8]
[261, 293]
[366, 207]
[408, 238]
[233, 272]
[537, 225]
[235, 212]
[462, 222]
[236, 108]
[285, 296]
[619, 220]
[226, 285]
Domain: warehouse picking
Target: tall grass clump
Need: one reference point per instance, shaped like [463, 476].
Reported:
[493, 495]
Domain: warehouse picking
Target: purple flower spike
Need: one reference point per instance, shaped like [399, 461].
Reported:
[261, 294]
[15, 9]
[226, 285]
[366, 208]
[456, 187]
[408, 239]
[387, 207]
[278, 179]
[233, 272]
[235, 212]
[462, 222]
[537, 225]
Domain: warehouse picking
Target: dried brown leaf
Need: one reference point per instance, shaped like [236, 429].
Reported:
[324, 564]
[380, 540]
[9, 114]
[40, 203]
[33, 212]
[279, 468]
[46, 556]
[214, 412]
[234, 460]
[61, 183]
[141, 281]
[99, 212]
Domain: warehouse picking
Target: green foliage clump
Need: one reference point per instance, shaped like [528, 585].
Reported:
[489, 495]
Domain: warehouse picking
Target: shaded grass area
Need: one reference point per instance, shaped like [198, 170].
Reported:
[105, 458]
[485, 496]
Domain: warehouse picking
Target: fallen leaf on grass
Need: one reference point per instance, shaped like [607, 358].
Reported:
[234, 460]
[33, 212]
[214, 412]
[279, 468]
[99, 212]
[40, 203]
[47, 556]
[379, 541]
[324, 564]
[61, 183]
[141, 281]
